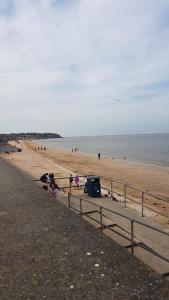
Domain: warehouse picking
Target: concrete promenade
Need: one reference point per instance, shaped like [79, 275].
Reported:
[151, 238]
[49, 252]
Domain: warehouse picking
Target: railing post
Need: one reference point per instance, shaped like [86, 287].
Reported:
[142, 204]
[112, 190]
[132, 236]
[101, 219]
[80, 206]
[70, 187]
[68, 200]
[125, 195]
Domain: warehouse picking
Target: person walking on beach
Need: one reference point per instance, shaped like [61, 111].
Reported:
[98, 155]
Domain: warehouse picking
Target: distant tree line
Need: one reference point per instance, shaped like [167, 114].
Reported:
[28, 136]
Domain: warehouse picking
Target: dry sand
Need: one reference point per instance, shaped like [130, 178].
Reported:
[150, 178]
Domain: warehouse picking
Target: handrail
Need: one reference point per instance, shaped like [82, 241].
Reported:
[136, 189]
[132, 221]
[125, 193]
[146, 193]
[135, 201]
[122, 215]
[119, 182]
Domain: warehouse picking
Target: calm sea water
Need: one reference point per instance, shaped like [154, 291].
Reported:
[147, 148]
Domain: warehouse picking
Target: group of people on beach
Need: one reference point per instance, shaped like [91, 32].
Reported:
[50, 185]
[40, 148]
[75, 149]
[75, 179]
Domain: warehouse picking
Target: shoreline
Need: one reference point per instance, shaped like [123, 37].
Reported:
[106, 156]
[130, 162]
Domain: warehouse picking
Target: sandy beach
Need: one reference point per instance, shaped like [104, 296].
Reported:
[149, 178]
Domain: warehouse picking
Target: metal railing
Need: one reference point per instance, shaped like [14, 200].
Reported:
[102, 210]
[124, 193]
[121, 192]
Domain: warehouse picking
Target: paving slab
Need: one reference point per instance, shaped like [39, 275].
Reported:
[49, 252]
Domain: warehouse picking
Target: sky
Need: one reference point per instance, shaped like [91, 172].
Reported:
[84, 67]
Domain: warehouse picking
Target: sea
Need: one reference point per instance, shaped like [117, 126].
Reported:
[146, 148]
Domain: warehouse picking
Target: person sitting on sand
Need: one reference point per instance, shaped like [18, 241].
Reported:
[108, 195]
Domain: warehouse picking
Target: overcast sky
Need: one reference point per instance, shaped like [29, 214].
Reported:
[84, 67]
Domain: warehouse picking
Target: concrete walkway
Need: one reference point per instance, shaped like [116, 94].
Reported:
[153, 239]
[48, 252]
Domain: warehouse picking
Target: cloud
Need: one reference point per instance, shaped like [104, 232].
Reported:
[65, 63]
